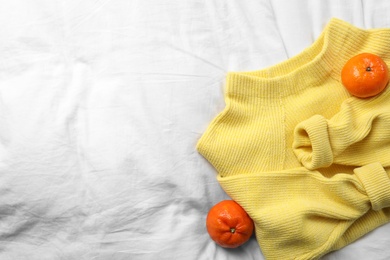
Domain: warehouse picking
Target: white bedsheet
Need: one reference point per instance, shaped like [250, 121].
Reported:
[102, 103]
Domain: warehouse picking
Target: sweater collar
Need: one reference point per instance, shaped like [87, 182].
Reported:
[323, 60]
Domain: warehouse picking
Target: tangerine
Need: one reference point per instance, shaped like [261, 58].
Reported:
[365, 75]
[228, 224]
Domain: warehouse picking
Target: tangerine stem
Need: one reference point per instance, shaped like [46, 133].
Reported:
[368, 69]
[232, 230]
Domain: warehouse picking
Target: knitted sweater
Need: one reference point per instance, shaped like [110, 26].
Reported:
[307, 161]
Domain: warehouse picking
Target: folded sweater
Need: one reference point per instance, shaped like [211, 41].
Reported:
[307, 161]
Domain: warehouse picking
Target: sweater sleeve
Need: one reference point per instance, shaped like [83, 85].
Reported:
[300, 213]
[358, 135]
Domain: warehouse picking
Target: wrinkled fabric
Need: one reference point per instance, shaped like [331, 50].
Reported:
[102, 103]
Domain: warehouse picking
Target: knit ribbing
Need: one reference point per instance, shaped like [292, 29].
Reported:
[308, 162]
[338, 42]
[312, 143]
[376, 183]
[360, 126]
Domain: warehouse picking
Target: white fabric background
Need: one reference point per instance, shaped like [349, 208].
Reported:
[102, 103]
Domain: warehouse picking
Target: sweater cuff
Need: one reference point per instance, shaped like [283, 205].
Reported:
[311, 143]
[376, 182]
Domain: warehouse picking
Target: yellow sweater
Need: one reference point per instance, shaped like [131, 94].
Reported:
[307, 161]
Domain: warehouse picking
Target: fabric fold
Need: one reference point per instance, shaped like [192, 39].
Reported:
[311, 144]
[357, 135]
[300, 214]
[376, 183]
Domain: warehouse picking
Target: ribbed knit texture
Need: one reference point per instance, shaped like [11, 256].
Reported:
[307, 161]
